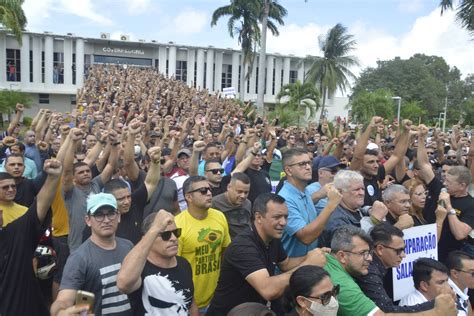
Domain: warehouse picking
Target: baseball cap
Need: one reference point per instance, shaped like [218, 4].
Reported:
[372, 146]
[330, 162]
[96, 201]
[185, 151]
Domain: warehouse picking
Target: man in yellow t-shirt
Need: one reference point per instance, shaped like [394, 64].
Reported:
[11, 210]
[204, 237]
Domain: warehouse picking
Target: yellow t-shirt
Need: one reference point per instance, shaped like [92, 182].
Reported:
[60, 221]
[202, 243]
[12, 212]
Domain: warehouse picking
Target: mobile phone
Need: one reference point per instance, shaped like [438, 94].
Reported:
[85, 298]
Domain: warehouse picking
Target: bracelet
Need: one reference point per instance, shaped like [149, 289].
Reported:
[374, 220]
[253, 153]
[115, 144]
[156, 161]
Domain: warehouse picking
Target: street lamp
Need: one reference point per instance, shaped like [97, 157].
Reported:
[399, 104]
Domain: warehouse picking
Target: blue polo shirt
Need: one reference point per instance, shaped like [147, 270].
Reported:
[301, 212]
[314, 187]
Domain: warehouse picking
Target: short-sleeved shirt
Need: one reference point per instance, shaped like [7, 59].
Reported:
[20, 292]
[373, 191]
[246, 254]
[238, 217]
[321, 204]
[12, 212]
[259, 183]
[164, 291]
[301, 212]
[93, 269]
[352, 301]
[202, 243]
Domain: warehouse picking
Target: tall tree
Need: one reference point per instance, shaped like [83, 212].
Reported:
[12, 17]
[243, 22]
[272, 10]
[464, 12]
[299, 98]
[332, 71]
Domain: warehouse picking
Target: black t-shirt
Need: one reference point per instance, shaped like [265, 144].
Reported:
[27, 189]
[164, 291]
[259, 183]
[372, 187]
[434, 189]
[131, 222]
[19, 289]
[464, 207]
[246, 254]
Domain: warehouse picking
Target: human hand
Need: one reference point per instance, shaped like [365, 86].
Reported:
[379, 211]
[441, 213]
[334, 196]
[445, 305]
[162, 220]
[52, 167]
[405, 221]
[315, 257]
[199, 146]
[155, 154]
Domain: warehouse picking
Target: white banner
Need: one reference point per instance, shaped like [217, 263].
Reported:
[420, 242]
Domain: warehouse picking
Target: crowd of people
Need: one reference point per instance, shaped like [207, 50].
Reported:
[152, 197]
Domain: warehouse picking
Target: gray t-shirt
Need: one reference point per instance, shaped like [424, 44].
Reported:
[76, 204]
[238, 217]
[164, 197]
[93, 269]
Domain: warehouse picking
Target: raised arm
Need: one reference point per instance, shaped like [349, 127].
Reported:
[400, 148]
[108, 171]
[153, 174]
[198, 147]
[130, 164]
[94, 152]
[426, 171]
[67, 151]
[46, 195]
[244, 164]
[359, 151]
[19, 108]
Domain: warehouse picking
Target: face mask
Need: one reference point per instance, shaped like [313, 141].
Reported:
[324, 310]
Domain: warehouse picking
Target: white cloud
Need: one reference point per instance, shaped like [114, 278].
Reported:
[410, 6]
[431, 34]
[85, 9]
[37, 12]
[190, 22]
[137, 7]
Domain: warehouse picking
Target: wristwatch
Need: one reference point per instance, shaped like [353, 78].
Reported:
[452, 212]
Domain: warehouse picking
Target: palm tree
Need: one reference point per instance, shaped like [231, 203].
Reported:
[464, 14]
[299, 98]
[331, 71]
[247, 13]
[12, 17]
[272, 10]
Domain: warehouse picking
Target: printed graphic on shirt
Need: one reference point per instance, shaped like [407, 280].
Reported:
[161, 296]
[207, 260]
[112, 300]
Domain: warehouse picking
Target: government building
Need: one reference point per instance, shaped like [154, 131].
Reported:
[53, 67]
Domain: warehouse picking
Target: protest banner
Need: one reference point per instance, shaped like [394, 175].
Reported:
[420, 242]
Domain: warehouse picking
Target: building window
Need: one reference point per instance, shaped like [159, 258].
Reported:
[281, 80]
[195, 74]
[181, 70]
[13, 65]
[293, 76]
[157, 63]
[58, 68]
[43, 98]
[73, 99]
[273, 81]
[73, 69]
[256, 81]
[204, 85]
[240, 71]
[42, 67]
[226, 80]
[167, 66]
[31, 66]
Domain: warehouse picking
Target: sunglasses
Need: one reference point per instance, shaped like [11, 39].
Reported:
[166, 235]
[202, 190]
[325, 298]
[216, 171]
[451, 157]
[8, 186]
[398, 251]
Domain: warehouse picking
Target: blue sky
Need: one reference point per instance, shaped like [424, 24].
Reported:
[383, 28]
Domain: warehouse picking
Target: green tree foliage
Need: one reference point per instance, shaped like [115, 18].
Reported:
[9, 99]
[298, 98]
[332, 71]
[413, 111]
[12, 17]
[367, 104]
[427, 80]
[464, 12]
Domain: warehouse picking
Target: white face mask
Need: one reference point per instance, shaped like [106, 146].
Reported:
[324, 310]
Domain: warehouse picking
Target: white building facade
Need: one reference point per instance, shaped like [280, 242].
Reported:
[53, 67]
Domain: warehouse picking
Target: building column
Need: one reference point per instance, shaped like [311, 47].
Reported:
[3, 58]
[210, 70]
[37, 60]
[253, 76]
[190, 67]
[218, 77]
[48, 60]
[235, 71]
[79, 62]
[162, 60]
[301, 72]
[172, 62]
[200, 69]
[67, 61]
[269, 85]
[25, 60]
[278, 67]
[286, 71]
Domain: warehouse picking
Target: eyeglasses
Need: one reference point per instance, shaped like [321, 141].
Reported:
[216, 171]
[365, 254]
[100, 217]
[398, 251]
[8, 187]
[451, 157]
[166, 235]
[302, 164]
[325, 298]
[425, 193]
[469, 272]
[202, 190]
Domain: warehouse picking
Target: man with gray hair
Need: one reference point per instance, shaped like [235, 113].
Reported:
[397, 200]
[351, 185]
